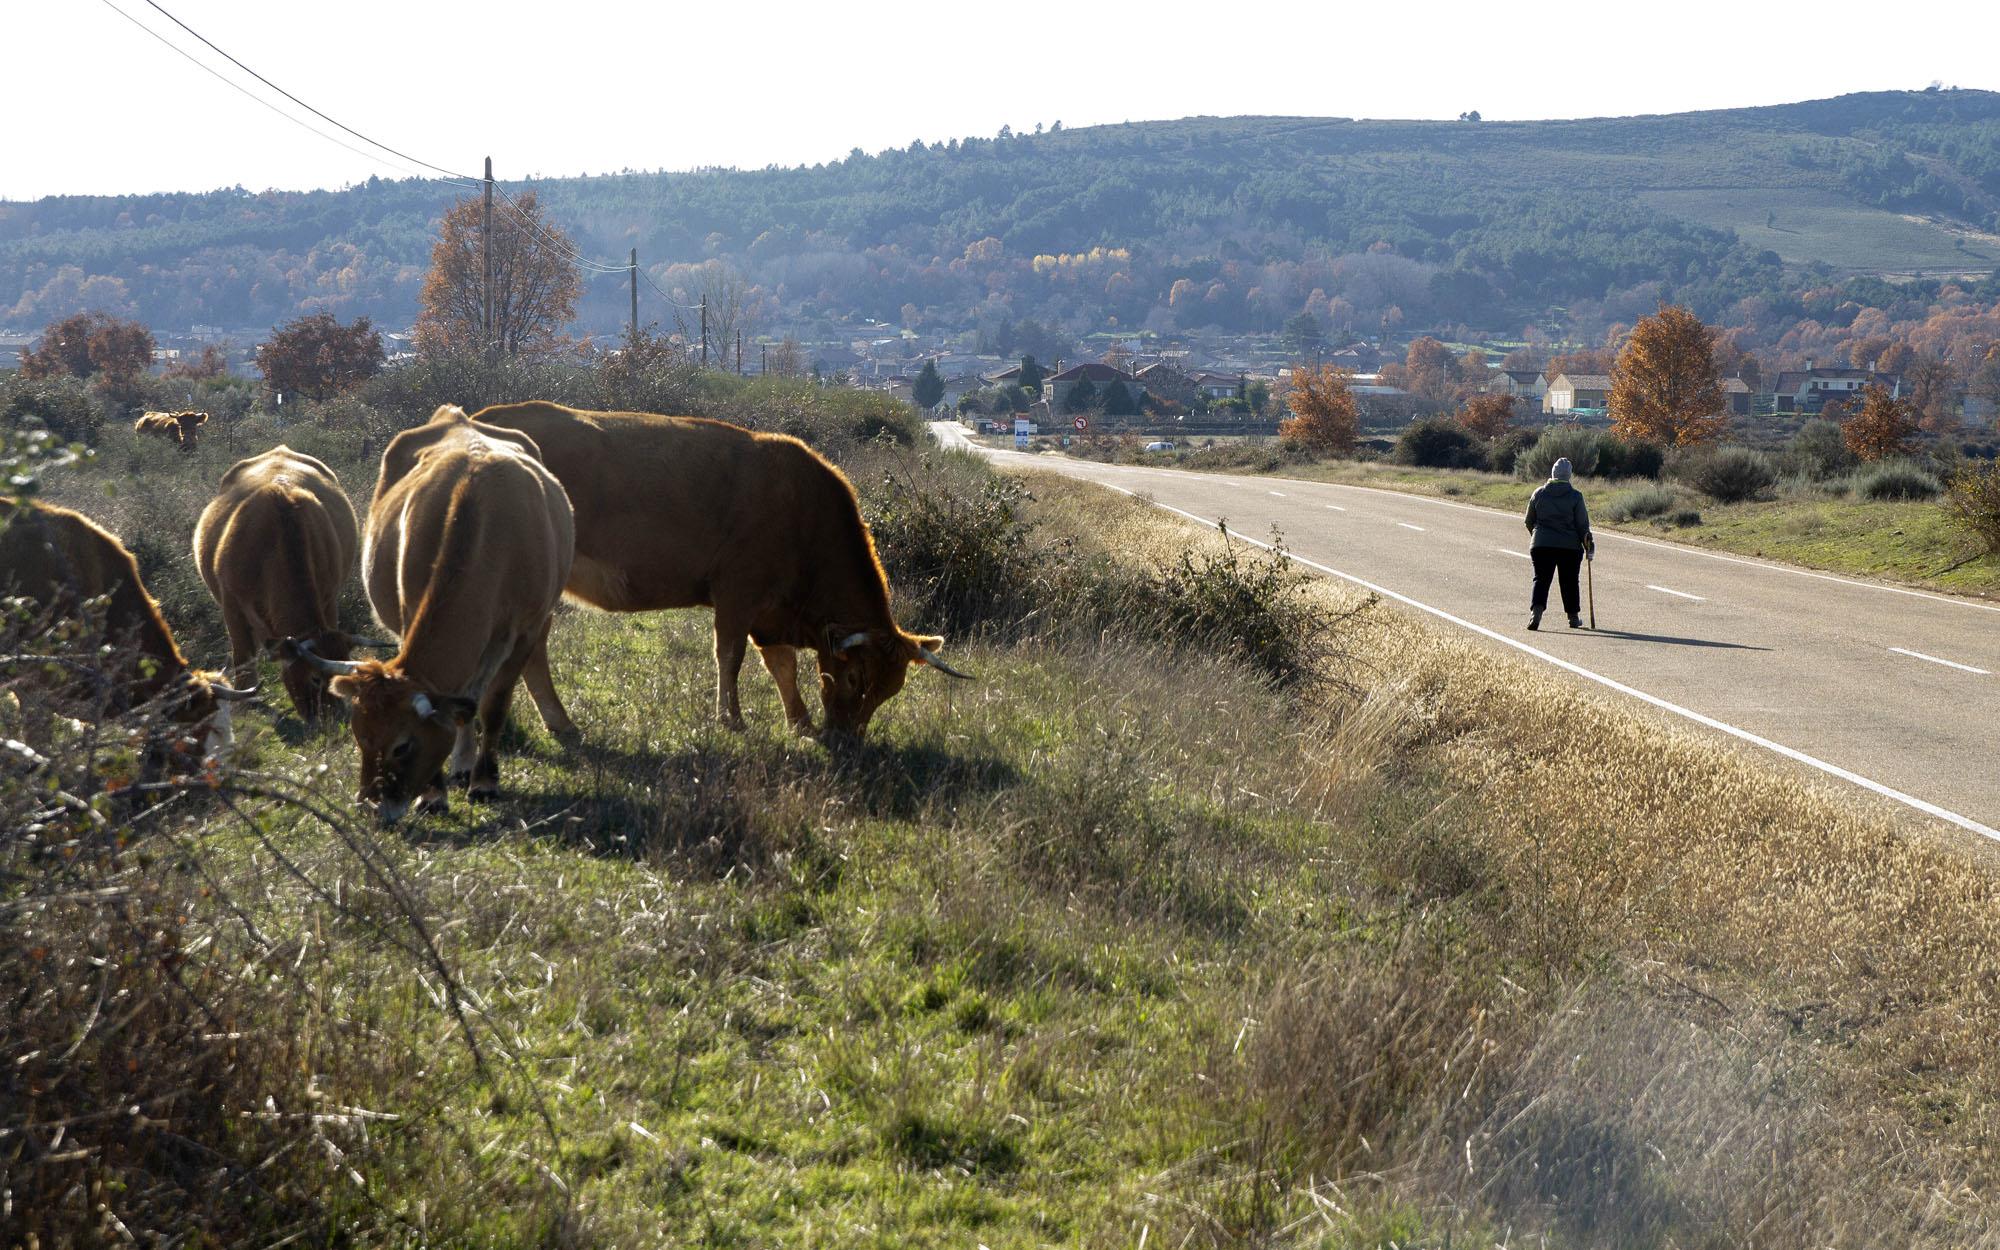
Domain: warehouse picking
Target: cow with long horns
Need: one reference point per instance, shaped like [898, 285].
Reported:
[274, 547]
[469, 542]
[69, 566]
[676, 512]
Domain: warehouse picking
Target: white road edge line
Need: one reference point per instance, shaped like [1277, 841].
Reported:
[1281, 494]
[1406, 525]
[1682, 593]
[1963, 668]
[1509, 551]
[1790, 753]
[1336, 507]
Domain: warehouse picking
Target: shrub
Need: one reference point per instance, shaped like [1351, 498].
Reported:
[953, 540]
[1574, 441]
[1819, 450]
[1972, 502]
[61, 405]
[1647, 501]
[1620, 457]
[1728, 474]
[1502, 452]
[1895, 479]
[1683, 516]
[1439, 443]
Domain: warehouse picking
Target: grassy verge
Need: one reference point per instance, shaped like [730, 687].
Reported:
[1143, 937]
[1900, 541]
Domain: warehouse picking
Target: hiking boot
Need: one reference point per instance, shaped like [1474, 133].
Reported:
[1535, 621]
[1576, 622]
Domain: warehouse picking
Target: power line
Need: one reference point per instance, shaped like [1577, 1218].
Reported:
[568, 251]
[257, 99]
[301, 103]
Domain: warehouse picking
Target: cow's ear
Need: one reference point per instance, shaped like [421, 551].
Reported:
[459, 710]
[345, 687]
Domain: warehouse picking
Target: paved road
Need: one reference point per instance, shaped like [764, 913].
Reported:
[1888, 688]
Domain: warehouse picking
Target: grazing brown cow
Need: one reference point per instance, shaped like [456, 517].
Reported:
[181, 427]
[61, 560]
[676, 512]
[469, 542]
[275, 546]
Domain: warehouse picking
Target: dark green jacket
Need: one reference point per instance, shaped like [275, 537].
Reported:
[1558, 518]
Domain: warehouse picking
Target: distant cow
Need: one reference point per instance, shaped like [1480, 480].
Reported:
[469, 543]
[181, 427]
[275, 546]
[676, 512]
[62, 560]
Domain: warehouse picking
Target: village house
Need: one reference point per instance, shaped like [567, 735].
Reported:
[1811, 389]
[1519, 384]
[1100, 375]
[1220, 385]
[1582, 392]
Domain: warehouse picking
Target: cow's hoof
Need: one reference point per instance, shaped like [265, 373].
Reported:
[484, 792]
[433, 803]
[459, 781]
[569, 738]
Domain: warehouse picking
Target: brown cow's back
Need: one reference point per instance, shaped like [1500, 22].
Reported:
[675, 512]
[274, 547]
[469, 541]
[671, 510]
[61, 558]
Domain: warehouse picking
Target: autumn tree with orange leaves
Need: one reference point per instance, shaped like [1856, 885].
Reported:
[1885, 426]
[317, 357]
[1488, 416]
[1324, 419]
[1665, 387]
[89, 345]
[535, 287]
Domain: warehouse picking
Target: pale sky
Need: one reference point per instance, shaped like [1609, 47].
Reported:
[93, 105]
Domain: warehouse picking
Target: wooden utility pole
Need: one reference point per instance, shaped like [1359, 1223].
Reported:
[704, 331]
[633, 273]
[486, 265]
[763, 359]
[739, 353]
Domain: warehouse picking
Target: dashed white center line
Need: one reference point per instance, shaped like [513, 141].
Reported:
[1406, 525]
[1281, 494]
[1509, 551]
[1963, 668]
[1681, 593]
[1336, 507]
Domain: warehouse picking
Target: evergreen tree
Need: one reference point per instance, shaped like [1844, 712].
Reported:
[1082, 397]
[1118, 401]
[1031, 376]
[929, 387]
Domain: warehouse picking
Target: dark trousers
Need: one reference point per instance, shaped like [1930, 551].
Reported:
[1551, 562]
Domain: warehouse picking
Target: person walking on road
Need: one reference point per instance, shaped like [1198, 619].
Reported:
[1561, 528]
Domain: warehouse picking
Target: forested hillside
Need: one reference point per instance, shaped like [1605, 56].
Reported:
[1236, 223]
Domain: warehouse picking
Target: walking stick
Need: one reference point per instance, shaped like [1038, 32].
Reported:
[1590, 582]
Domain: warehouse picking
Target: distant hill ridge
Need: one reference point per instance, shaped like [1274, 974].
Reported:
[1233, 222]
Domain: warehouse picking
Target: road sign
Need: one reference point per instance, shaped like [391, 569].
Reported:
[1022, 428]
[1083, 423]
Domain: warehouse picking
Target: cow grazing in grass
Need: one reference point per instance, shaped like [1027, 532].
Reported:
[63, 562]
[676, 512]
[468, 545]
[275, 546]
[181, 427]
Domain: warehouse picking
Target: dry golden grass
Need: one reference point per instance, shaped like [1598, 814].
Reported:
[1784, 990]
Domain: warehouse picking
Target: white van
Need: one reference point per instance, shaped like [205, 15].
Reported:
[1160, 444]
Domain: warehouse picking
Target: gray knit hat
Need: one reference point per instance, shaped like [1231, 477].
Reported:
[1560, 470]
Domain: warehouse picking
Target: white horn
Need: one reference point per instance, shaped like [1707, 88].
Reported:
[423, 705]
[931, 658]
[342, 667]
[852, 640]
[230, 694]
